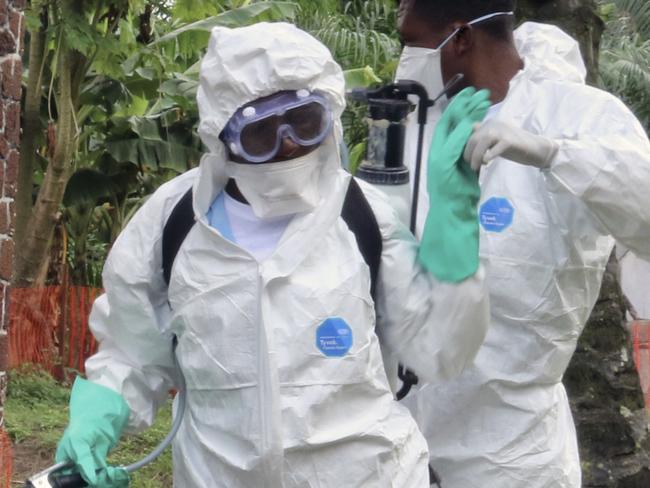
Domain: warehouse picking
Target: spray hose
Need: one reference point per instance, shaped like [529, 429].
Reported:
[53, 477]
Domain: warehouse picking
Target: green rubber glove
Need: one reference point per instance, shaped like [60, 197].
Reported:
[449, 244]
[97, 417]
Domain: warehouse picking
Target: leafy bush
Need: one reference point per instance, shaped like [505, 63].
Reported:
[30, 385]
[625, 61]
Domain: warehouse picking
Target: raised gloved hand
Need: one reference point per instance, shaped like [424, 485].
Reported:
[494, 139]
[449, 244]
[97, 417]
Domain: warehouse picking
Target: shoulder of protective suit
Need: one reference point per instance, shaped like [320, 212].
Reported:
[171, 191]
[164, 199]
[136, 253]
[580, 105]
[386, 216]
[570, 88]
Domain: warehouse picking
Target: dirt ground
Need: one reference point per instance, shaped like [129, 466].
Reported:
[29, 457]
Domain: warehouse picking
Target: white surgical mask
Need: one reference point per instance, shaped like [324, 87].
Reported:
[423, 65]
[285, 187]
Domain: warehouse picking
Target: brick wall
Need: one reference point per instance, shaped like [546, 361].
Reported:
[12, 26]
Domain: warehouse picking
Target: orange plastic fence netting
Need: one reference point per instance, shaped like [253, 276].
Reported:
[49, 326]
[6, 460]
[641, 345]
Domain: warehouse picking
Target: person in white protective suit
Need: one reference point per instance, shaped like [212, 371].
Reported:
[564, 172]
[269, 296]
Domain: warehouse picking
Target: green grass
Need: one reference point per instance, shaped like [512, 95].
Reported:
[36, 413]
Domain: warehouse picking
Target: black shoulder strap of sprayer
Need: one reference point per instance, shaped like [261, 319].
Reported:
[178, 225]
[356, 213]
[361, 221]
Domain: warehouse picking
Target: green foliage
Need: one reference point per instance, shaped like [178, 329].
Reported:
[136, 110]
[186, 11]
[258, 12]
[359, 33]
[357, 153]
[625, 71]
[637, 12]
[354, 46]
[362, 36]
[77, 33]
[30, 385]
[360, 78]
[625, 62]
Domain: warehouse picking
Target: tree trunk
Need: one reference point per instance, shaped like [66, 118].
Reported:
[606, 397]
[44, 216]
[577, 17]
[31, 262]
[31, 128]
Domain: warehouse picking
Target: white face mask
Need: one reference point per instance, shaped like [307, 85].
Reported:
[423, 65]
[283, 188]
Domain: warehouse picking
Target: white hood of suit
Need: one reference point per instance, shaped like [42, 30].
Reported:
[244, 64]
[550, 53]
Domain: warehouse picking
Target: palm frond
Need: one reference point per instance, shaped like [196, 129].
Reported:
[625, 71]
[637, 13]
[358, 47]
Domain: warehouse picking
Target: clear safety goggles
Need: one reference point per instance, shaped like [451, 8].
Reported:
[256, 130]
[478, 20]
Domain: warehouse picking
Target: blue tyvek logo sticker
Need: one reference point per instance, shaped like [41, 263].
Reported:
[334, 337]
[496, 214]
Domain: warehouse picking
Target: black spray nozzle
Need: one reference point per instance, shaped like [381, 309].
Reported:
[382, 103]
[69, 481]
[399, 91]
[54, 477]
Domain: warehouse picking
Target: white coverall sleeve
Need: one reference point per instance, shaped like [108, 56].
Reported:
[604, 160]
[134, 356]
[433, 328]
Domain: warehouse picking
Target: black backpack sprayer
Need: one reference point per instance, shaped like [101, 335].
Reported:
[388, 109]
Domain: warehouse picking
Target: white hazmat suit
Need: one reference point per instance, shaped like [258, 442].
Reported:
[546, 236]
[269, 404]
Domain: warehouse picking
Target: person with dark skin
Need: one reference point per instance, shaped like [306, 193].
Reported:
[486, 60]
[564, 172]
[282, 330]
